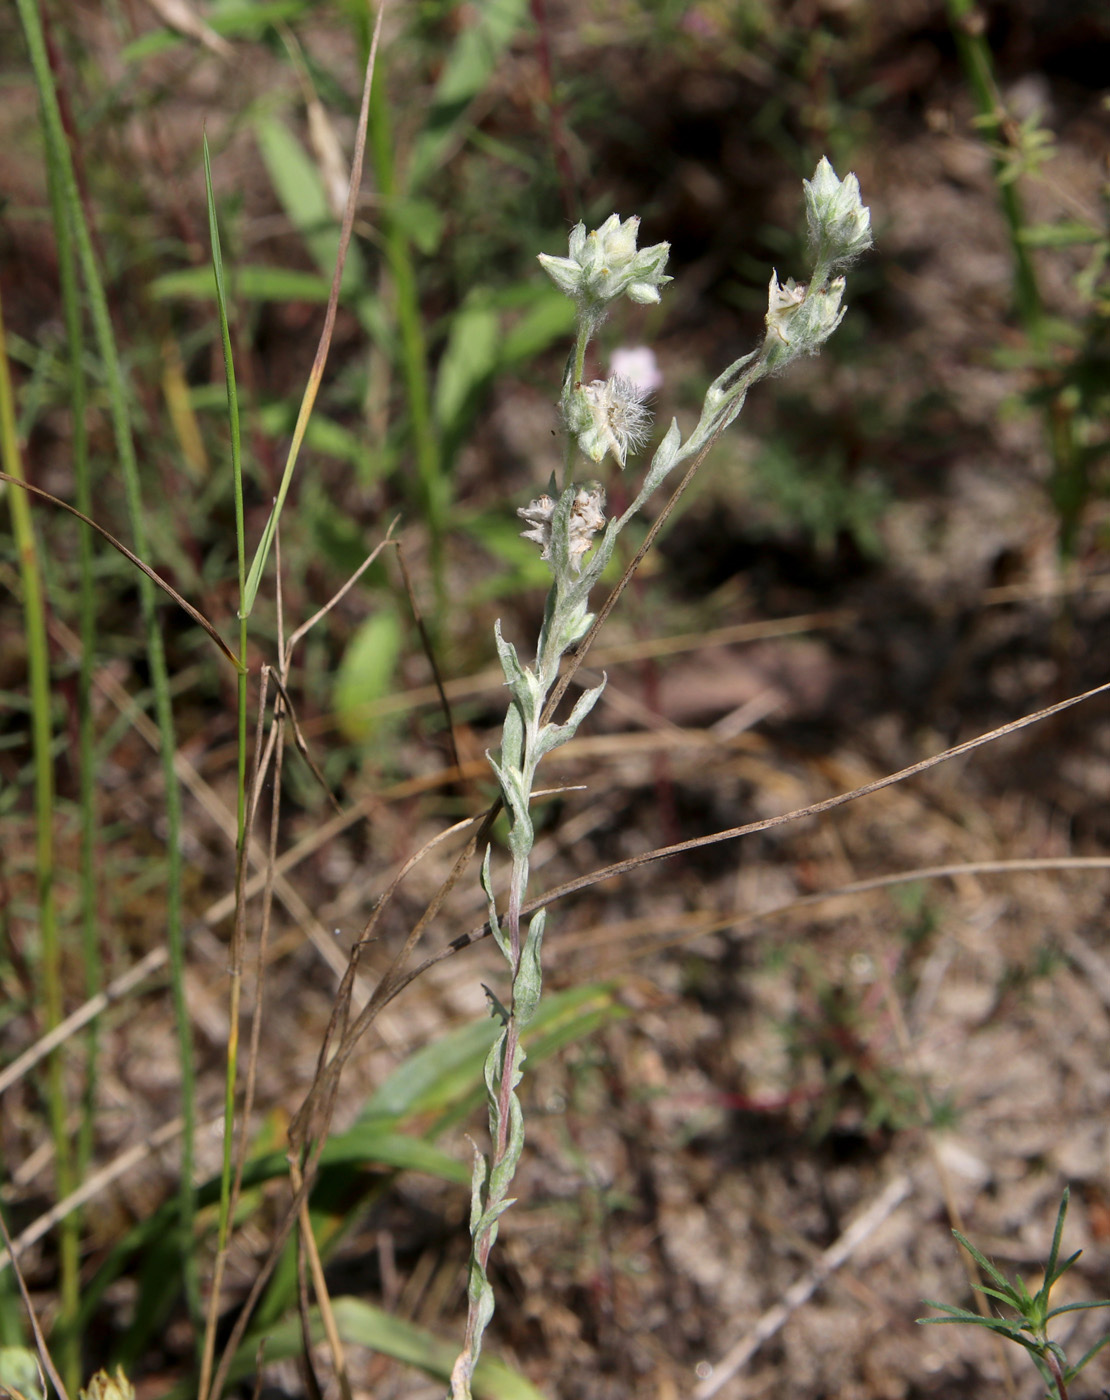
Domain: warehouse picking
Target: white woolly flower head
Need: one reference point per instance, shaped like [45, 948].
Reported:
[606, 264]
[609, 415]
[587, 517]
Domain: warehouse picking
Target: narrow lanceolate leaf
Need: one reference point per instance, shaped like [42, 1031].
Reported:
[954, 1314]
[666, 454]
[529, 978]
[522, 683]
[512, 740]
[515, 797]
[552, 735]
[985, 1264]
[1078, 1307]
[1057, 1235]
[491, 905]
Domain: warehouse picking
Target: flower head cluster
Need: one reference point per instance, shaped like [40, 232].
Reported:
[839, 221]
[587, 516]
[608, 415]
[606, 264]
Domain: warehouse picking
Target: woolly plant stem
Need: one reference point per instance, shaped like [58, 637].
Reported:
[605, 417]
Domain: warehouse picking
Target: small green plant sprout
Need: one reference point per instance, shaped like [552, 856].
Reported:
[606, 417]
[1030, 1328]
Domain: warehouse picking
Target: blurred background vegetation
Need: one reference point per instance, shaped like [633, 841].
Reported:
[901, 544]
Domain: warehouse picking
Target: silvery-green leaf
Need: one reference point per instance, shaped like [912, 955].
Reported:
[552, 735]
[514, 795]
[529, 979]
[488, 1223]
[520, 680]
[603, 552]
[501, 1174]
[491, 906]
[478, 1178]
[560, 534]
[666, 454]
[512, 739]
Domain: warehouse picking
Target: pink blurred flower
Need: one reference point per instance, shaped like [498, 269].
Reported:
[638, 365]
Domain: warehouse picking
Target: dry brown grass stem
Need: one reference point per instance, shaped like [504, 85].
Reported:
[814, 809]
[320, 1288]
[680, 929]
[93, 1185]
[430, 654]
[837, 1254]
[209, 1386]
[210, 802]
[45, 1362]
[132, 558]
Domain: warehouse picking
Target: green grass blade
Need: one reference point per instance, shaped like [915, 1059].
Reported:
[251, 284]
[70, 1228]
[361, 1324]
[59, 155]
[469, 67]
[38, 666]
[232, 1059]
[1088, 1355]
[262, 553]
[446, 1072]
[300, 189]
[434, 491]
[1051, 1274]
[988, 1268]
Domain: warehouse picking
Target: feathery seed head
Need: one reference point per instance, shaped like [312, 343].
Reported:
[609, 415]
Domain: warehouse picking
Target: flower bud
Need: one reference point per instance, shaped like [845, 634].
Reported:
[839, 221]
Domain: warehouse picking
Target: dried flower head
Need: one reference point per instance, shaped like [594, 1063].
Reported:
[587, 516]
[538, 515]
[800, 319]
[783, 301]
